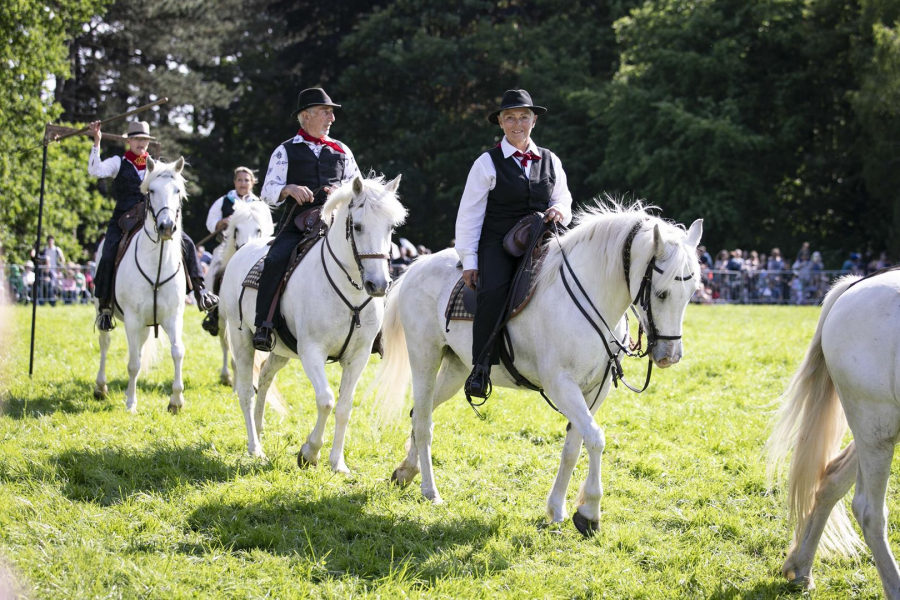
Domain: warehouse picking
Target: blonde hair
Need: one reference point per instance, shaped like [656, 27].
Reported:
[247, 171]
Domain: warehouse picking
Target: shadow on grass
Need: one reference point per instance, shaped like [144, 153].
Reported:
[111, 475]
[771, 589]
[340, 535]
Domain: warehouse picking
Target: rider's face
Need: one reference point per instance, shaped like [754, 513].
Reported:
[319, 120]
[138, 145]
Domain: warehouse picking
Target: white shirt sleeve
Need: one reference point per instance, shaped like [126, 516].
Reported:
[472, 207]
[276, 178]
[561, 198]
[352, 169]
[215, 215]
[106, 168]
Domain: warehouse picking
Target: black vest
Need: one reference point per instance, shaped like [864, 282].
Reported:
[304, 168]
[227, 206]
[126, 189]
[514, 195]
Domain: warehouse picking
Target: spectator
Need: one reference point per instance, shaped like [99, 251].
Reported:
[705, 259]
[883, 261]
[803, 253]
[721, 260]
[67, 285]
[775, 281]
[796, 290]
[47, 282]
[81, 293]
[54, 254]
[17, 290]
[736, 260]
[817, 283]
[852, 264]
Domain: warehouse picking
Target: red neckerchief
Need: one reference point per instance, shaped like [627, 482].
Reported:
[320, 141]
[138, 160]
[525, 157]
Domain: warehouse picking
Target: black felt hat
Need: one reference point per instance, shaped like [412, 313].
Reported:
[314, 97]
[515, 99]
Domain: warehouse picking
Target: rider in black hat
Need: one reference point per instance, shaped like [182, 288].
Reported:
[305, 169]
[510, 181]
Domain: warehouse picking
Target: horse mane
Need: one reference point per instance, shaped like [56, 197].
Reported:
[610, 220]
[164, 170]
[259, 212]
[377, 203]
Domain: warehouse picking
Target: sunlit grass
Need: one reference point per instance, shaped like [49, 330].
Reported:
[95, 502]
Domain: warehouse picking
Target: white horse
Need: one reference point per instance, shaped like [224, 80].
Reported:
[249, 221]
[551, 347]
[153, 259]
[329, 317]
[850, 375]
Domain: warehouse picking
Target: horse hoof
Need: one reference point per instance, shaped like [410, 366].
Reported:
[804, 582]
[99, 394]
[585, 527]
[396, 480]
[174, 409]
[302, 462]
[226, 380]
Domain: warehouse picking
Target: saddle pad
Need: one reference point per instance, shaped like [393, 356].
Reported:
[456, 309]
[252, 278]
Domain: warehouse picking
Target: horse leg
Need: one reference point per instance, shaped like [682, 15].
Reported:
[136, 334]
[834, 485]
[349, 378]
[242, 346]
[270, 367]
[572, 405]
[450, 379]
[100, 389]
[314, 367]
[173, 331]
[556, 501]
[870, 509]
[224, 376]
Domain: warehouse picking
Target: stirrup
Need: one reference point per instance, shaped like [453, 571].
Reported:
[105, 320]
[206, 301]
[210, 322]
[478, 384]
[264, 339]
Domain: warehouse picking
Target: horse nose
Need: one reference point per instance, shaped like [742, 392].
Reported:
[166, 228]
[375, 290]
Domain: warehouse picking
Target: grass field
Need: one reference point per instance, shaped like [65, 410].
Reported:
[95, 502]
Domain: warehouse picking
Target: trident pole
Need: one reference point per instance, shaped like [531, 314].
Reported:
[48, 139]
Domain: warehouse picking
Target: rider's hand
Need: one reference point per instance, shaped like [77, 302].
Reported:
[470, 277]
[552, 216]
[300, 193]
[327, 189]
[222, 224]
[94, 128]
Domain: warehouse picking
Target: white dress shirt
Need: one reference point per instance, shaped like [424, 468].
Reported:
[215, 211]
[109, 167]
[473, 205]
[276, 175]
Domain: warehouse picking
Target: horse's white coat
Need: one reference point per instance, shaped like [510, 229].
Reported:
[249, 221]
[554, 345]
[134, 294]
[850, 375]
[315, 314]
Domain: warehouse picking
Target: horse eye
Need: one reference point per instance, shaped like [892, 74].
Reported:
[258, 232]
[662, 295]
[357, 228]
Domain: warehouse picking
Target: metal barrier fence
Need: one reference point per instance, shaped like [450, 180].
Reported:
[63, 284]
[765, 287]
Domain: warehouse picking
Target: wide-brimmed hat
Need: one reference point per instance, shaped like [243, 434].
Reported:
[139, 130]
[314, 97]
[515, 99]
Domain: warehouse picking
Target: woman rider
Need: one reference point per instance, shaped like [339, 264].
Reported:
[510, 181]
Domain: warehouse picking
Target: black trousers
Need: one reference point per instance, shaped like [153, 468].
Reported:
[274, 267]
[106, 267]
[496, 269]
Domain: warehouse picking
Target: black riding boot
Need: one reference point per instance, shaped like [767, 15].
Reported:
[211, 322]
[478, 385]
[206, 300]
[264, 338]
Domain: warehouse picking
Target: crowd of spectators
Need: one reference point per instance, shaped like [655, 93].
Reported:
[774, 279]
[58, 281]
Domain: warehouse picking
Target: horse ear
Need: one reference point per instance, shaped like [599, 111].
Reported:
[357, 185]
[151, 164]
[694, 233]
[393, 184]
[179, 165]
[659, 247]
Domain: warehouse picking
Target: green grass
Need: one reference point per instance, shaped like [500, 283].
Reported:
[95, 502]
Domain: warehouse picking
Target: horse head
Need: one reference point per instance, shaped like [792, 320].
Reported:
[249, 221]
[664, 275]
[365, 211]
[164, 186]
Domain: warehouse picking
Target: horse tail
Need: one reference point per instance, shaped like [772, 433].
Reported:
[273, 396]
[393, 377]
[811, 421]
[150, 353]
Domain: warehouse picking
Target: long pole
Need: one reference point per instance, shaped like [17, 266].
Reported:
[37, 245]
[139, 109]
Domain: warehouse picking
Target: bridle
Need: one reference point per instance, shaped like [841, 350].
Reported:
[641, 299]
[148, 209]
[355, 322]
